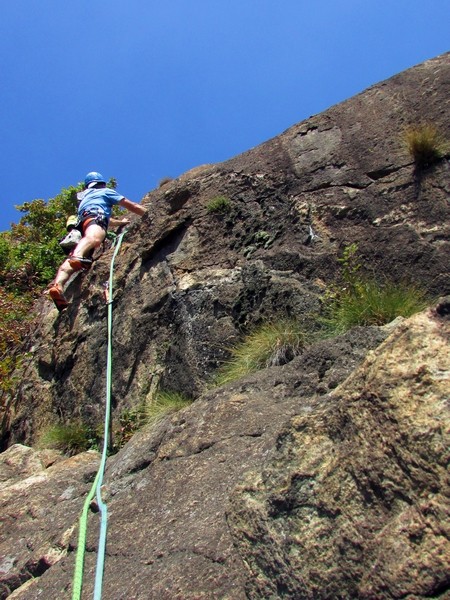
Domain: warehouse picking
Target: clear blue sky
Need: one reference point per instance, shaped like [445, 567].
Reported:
[144, 89]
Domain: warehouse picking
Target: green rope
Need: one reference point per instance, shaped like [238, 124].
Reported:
[96, 486]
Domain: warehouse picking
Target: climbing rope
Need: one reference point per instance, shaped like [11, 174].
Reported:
[97, 484]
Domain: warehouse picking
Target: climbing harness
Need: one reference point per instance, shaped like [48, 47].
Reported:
[96, 486]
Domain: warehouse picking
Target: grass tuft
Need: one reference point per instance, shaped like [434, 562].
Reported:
[271, 344]
[165, 403]
[425, 144]
[71, 438]
[219, 205]
[371, 303]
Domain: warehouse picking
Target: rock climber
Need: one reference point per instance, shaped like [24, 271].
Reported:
[94, 215]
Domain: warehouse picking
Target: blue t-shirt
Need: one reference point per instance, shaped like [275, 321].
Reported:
[99, 200]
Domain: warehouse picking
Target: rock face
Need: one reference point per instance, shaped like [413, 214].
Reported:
[269, 488]
[189, 280]
[322, 478]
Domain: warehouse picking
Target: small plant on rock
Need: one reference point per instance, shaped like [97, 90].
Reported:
[219, 205]
[425, 144]
[130, 421]
[271, 344]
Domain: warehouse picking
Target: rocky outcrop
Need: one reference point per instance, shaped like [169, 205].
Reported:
[322, 478]
[271, 487]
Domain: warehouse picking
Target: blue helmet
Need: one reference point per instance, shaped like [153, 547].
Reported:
[93, 177]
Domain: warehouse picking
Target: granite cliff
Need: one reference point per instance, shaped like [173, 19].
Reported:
[325, 477]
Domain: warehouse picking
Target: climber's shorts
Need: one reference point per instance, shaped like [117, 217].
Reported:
[87, 219]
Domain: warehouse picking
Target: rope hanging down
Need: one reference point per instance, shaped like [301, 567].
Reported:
[96, 486]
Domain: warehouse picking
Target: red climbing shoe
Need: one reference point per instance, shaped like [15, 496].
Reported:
[78, 263]
[56, 294]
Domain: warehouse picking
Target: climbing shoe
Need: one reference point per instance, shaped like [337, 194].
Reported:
[78, 263]
[56, 294]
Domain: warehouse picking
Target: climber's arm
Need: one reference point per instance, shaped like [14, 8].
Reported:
[133, 207]
[118, 222]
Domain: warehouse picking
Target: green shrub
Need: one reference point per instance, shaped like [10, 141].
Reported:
[165, 403]
[70, 438]
[272, 343]
[425, 144]
[219, 205]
